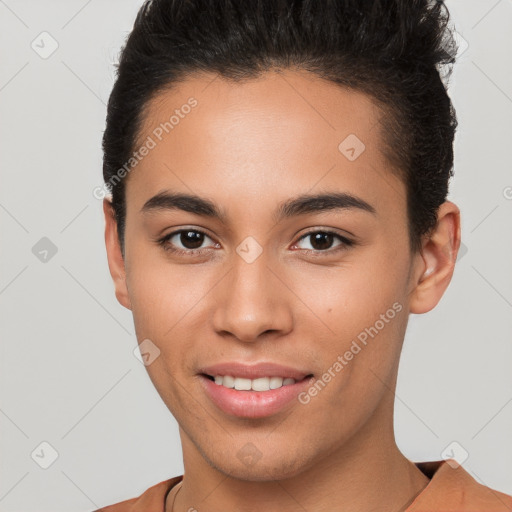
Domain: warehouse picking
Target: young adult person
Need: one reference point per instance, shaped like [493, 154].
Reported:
[279, 172]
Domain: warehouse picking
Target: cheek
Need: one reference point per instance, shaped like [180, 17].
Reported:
[164, 302]
[363, 309]
[169, 307]
[162, 293]
[352, 296]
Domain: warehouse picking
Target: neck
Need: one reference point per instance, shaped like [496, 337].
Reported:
[367, 472]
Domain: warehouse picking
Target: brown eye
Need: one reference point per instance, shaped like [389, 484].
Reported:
[191, 239]
[322, 241]
[184, 241]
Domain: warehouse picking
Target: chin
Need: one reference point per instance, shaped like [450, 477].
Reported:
[250, 464]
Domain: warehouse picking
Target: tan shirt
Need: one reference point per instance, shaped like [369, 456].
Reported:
[449, 490]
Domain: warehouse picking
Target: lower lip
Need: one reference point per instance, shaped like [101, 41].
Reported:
[252, 404]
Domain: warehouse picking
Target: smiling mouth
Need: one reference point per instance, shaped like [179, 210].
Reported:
[258, 384]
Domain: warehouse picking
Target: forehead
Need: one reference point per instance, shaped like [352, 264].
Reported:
[271, 137]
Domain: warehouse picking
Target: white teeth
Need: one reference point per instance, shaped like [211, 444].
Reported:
[242, 384]
[227, 381]
[259, 384]
[276, 382]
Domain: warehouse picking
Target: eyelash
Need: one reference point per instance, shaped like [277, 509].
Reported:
[163, 242]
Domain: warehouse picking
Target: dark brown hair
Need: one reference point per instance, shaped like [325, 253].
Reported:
[393, 50]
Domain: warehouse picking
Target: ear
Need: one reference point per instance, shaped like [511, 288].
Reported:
[436, 262]
[115, 258]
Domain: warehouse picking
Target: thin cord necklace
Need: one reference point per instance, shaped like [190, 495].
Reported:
[174, 499]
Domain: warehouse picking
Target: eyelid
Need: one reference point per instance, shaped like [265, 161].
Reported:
[347, 235]
[345, 241]
[163, 240]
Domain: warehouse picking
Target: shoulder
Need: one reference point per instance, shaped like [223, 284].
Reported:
[453, 489]
[153, 497]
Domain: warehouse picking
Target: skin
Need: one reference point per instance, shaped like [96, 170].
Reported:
[248, 147]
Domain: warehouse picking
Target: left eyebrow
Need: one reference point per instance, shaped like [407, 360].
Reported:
[300, 205]
[319, 203]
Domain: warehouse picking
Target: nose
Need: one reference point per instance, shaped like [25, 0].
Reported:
[252, 301]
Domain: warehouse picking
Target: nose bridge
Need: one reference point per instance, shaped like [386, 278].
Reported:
[250, 300]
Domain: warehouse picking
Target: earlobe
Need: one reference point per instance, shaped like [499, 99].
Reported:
[116, 263]
[437, 263]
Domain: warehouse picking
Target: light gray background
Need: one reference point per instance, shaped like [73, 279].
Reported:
[68, 373]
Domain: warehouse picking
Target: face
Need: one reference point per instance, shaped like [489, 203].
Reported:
[316, 291]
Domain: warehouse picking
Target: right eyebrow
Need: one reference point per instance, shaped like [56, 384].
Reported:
[186, 202]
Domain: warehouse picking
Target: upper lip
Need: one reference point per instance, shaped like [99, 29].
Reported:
[254, 371]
